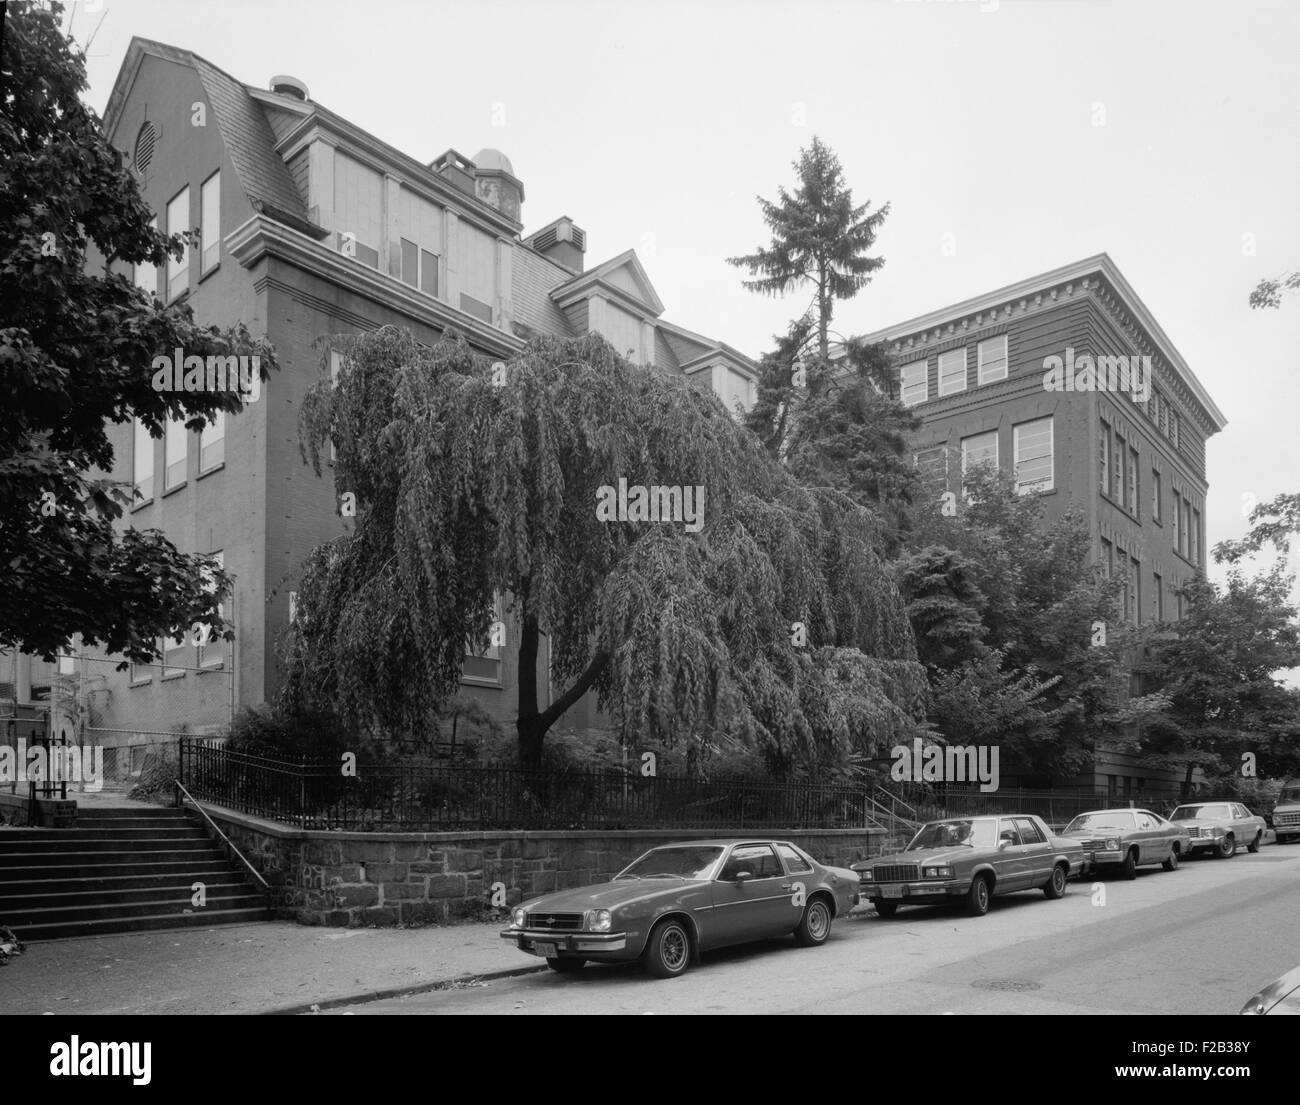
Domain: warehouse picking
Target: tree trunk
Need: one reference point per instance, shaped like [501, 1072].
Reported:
[823, 316]
[531, 726]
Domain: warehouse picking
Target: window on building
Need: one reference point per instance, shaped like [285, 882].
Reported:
[336, 366]
[419, 267]
[1121, 566]
[145, 274]
[210, 225]
[1155, 494]
[1175, 516]
[1135, 590]
[178, 220]
[1117, 486]
[913, 384]
[212, 654]
[991, 355]
[1178, 595]
[1194, 541]
[1173, 429]
[1184, 536]
[979, 449]
[1158, 586]
[212, 442]
[174, 653]
[174, 459]
[933, 467]
[1033, 456]
[142, 461]
[952, 371]
[1105, 459]
[483, 659]
[1133, 481]
[1107, 558]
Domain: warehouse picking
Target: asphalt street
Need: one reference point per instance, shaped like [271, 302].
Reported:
[1199, 940]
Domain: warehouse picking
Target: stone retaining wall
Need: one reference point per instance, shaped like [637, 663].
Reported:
[329, 878]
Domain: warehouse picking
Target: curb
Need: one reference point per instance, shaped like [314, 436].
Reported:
[398, 992]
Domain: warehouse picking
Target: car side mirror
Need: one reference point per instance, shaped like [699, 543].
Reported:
[1003, 844]
[741, 876]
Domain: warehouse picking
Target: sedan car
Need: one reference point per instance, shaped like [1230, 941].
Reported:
[1125, 839]
[1278, 998]
[971, 860]
[680, 900]
[1220, 827]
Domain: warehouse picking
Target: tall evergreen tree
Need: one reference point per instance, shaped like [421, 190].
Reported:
[818, 237]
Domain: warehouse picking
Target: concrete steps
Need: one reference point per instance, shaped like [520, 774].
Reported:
[121, 870]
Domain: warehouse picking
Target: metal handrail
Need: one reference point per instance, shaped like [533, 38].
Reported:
[225, 839]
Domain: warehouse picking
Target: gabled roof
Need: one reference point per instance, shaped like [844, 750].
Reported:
[1098, 265]
[245, 131]
[695, 350]
[623, 275]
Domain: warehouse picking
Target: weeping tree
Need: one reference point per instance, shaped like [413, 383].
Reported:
[676, 570]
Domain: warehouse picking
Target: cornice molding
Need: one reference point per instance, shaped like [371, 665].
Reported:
[1095, 275]
[260, 237]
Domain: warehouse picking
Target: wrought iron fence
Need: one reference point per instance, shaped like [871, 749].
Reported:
[421, 796]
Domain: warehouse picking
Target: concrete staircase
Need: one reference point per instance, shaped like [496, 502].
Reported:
[120, 870]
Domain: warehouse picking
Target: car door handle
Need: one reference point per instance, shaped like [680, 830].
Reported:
[787, 886]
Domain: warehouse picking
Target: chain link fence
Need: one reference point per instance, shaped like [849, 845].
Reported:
[124, 723]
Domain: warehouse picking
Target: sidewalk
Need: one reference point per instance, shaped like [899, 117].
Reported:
[258, 968]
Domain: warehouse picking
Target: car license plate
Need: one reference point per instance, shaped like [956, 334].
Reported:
[891, 891]
[548, 950]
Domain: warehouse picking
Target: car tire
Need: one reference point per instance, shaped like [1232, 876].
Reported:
[886, 909]
[1253, 846]
[566, 966]
[668, 950]
[1171, 864]
[979, 896]
[1228, 848]
[815, 924]
[1130, 868]
[1055, 887]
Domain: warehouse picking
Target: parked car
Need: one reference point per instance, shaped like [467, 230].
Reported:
[1219, 827]
[679, 900]
[1125, 839]
[971, 860]
[1279, 997]
[1286, 814]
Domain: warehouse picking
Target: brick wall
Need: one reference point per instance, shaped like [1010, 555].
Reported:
[327, 878]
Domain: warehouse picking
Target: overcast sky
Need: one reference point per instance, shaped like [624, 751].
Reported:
[1032, 132]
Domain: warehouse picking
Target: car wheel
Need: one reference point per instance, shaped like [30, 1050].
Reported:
[814, 925]
[1130, 868]
[1253, 846]
[1055, 887]
[1228, 848]
[977, 898]
[668, 951]
[566, 966]
[886, 909]
[1171, 864]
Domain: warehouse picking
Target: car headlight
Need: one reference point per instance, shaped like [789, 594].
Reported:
[867, 876]
[518, 918]
[1112, 844]
[598, 920]
[937, 872]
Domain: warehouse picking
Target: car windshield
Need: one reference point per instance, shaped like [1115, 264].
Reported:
[1185, 813]
[1289, 795]
[1106, 819]
[978, 832]
[682, 863]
